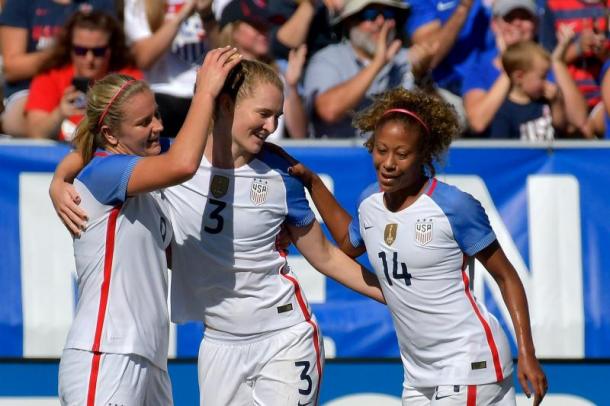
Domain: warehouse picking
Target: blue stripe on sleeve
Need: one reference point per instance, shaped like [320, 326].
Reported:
[299, 212]
[354, 227]
[469, 223]
[107, 177]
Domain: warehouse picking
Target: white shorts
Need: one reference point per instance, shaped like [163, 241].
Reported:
[500, 394]
[105, 379]
[279, 368]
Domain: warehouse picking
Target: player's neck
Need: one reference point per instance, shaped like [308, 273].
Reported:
[225, 154]
[405, 197]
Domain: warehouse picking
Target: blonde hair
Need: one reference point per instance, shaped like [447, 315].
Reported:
[109, 93]
[520, 56]
[244, 77]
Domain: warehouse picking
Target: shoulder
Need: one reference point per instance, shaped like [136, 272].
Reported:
[331, 54]
[452, 200]
[368, 191]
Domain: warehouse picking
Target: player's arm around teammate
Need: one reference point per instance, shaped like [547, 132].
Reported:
[157, 170]
[332, 262]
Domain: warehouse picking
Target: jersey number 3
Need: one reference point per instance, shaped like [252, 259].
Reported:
[215, 216]
[403, 275]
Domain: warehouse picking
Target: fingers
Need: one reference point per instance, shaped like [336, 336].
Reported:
[524, 384]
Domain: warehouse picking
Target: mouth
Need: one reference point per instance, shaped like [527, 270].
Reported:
[261, 135]
[153, 140]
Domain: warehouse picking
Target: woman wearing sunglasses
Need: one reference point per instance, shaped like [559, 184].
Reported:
[83, 54]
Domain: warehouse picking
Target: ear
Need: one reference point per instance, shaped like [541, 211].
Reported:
[517, 75]
[109, 136]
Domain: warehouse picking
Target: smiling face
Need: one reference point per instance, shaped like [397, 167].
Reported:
[140, 127]
[396, 156]
[90, 53]
[255, 117]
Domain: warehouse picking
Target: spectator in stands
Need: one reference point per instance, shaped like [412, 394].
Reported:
[586, 55]
[91, 46]
[461, 29]
[27, 33]
[295, 22]
[486, 85]
[534, 108]
[247, 26]
[343, 77]
[168, 39]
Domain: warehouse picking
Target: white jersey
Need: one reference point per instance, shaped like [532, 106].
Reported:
[175, 71]
[121, 265]
[227, 270]
[446, 336]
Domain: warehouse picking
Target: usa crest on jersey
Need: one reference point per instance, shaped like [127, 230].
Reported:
[258, 191]
[423, 231]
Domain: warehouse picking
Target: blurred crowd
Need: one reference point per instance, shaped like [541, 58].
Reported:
[521, 69]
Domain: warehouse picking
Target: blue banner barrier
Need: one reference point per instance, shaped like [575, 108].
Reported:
[548, 205]
[345, 383]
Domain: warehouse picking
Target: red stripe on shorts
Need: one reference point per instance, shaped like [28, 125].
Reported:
[471, 399]
[316, 331]
[108, 257]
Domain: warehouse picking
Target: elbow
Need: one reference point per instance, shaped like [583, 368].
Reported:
[476, 123]
[10, 72]
[328, 114]
[185, 170]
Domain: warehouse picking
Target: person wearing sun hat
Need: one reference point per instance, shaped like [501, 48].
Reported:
[342, 78]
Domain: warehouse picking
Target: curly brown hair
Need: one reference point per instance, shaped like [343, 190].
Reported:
[439, 116]
[120, 56]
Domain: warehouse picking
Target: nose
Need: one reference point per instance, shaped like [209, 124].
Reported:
[157, 124]
[389, 164]
[270, 124]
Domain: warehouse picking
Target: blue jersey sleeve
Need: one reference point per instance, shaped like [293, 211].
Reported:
[354, 227]
[107, 177]
[469, 223]
[299, 212]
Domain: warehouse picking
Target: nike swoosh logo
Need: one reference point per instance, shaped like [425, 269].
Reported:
[441, 397]
[367, 227]
[303, 404]
[445, 6]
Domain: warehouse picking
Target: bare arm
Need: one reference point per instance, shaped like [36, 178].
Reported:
[332, 262]
[183, 158]
[147, 51]
[64, 196]
[336, 218]
[332, 105]
[577, 113]
[557, 104]
[293, 32]
[18, 64]
[294, 110]
[481, 106]
[445, 34]
[45, 124]
[529, 370]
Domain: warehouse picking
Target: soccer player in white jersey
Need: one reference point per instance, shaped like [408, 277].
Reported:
[262, 344]
[116, 350]
[419, 234]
